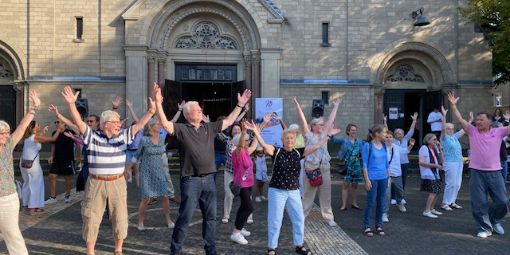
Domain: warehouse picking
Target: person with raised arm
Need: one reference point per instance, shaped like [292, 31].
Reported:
[9, 201]
[283, 189]
[106, 183]
[453, 163]
[198, 171]
[318, 160]
[485, 170]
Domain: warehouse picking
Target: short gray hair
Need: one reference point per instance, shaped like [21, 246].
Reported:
[107, 116]
[427, 138]
[4, 126]
[187, 107]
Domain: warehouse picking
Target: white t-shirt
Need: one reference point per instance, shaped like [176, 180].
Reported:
[433, 116]
[394, 166]
[425, 172]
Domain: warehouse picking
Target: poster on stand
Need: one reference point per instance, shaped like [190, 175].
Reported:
[272, 134]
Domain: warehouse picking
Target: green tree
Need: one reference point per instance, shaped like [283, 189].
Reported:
[493, 17]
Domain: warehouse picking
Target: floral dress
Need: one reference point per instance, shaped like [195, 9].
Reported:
[153, 182]
[353, 163]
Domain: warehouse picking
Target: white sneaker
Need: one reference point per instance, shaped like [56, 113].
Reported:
[249, 221]
[446, 207]
[263, 198]
[140, 228]
[434, 211]
[403, 201]
[258, 199]
[455, 206]
[171, 224]
[224, 220]
[402, 208]
[67, 199]
[498, 229]
[245, 232]
[393, 202]
[484, 234]
[385, 218]
[238, 238]
[332, 223]
[430, 215]
[50, 201]
[130, 179]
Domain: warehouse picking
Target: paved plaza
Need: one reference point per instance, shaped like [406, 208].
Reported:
[59, 231]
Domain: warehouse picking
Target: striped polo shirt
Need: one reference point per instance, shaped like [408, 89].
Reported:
[107, 156]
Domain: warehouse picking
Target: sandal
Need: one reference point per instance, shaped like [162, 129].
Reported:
[303, 250]
[379, 231]
[355, 207]
[368, 232]
[271, 252]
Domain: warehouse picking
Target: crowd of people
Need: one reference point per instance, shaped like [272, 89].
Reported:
[115, 154]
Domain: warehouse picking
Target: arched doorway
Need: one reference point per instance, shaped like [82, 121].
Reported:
[206, 51]
[11, 87]
[413, 78]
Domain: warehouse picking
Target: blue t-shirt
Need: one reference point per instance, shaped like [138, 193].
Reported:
[452, 148]
[377, 166]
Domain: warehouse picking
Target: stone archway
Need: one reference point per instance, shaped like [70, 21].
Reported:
[176, 20]
[421, 67]
[11, 85]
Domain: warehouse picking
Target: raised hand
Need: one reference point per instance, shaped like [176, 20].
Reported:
[157, 93]
[54, 109]
[443, 111]
[506, 115]
[129, 103]
[451, 97]
[334, 131]
[267, 117]
[412, 142]
[206, 118]
[35, 98]
[181, 105]
[69, 96]
[414, 116]
[471, 117]
[243, 99]
[152, 104]
[45, 130]
[338, 99]
[116, 102]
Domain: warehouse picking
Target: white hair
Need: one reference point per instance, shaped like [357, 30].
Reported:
[107, 116]
[187, 107]
[4, 126]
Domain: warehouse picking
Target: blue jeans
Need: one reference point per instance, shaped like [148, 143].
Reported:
[377, 193]
[278, 200]
[481, 184]
[219, 157]
[504, 170]
[201, 191]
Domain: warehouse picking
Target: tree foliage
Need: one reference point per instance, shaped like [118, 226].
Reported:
[493, 17]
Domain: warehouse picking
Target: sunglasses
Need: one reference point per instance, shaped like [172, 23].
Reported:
[90, 121]
[57, 122]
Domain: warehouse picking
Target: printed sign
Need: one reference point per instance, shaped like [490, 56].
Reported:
[272, 134]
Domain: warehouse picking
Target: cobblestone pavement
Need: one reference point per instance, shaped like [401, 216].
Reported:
[407, 233]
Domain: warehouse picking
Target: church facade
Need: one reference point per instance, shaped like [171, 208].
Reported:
[208, 50]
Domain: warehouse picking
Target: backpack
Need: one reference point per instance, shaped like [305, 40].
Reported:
[385, 150]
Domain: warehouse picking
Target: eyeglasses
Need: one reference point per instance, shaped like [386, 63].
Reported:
[57, 122]
[114, 121]
[5, 132]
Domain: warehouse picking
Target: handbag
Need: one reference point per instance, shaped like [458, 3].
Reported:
[235, 188]
[26, 163]
[314, 177]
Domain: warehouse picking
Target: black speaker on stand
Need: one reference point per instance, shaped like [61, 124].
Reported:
[317, 108]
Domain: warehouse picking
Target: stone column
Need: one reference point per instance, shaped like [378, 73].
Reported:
[247, 70]
[161, 71]
[151, 73]
[136, 78]
[255, 73]
[378, 104]
[270, 72]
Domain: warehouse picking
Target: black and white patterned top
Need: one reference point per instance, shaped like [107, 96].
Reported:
[286, 168]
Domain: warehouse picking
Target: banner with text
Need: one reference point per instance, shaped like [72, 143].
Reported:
[272, 134]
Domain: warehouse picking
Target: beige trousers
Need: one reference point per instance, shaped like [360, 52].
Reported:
[324, 191]
[9, 227]
[97, 194]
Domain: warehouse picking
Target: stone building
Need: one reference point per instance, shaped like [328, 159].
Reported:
[207, 50]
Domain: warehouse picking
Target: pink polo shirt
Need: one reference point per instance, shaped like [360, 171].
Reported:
[485, 147]
[243, 169]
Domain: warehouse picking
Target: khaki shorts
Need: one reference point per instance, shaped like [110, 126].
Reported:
[97, 194]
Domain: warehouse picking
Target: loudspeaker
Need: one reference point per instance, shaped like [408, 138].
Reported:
[82, 104]
[317, 108]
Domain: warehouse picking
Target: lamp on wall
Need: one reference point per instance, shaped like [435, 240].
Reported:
[419, 19]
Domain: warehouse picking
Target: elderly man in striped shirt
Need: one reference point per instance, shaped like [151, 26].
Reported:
[106, 156]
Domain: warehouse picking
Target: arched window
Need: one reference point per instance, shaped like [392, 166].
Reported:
[206, 36]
